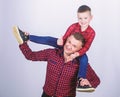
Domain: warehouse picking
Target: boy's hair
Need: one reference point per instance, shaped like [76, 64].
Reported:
[83, 8]
[79, 36]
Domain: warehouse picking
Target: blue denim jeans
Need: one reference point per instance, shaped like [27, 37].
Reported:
[46, 40]
[51, 41]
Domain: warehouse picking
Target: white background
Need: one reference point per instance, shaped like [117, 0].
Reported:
[22, 78]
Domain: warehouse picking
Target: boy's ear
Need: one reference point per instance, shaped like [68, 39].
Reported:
[91, 17]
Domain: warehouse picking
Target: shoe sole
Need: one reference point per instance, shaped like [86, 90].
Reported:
[85, 90]
[17, 34]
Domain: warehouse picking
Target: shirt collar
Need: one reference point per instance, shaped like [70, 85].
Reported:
[87, 30]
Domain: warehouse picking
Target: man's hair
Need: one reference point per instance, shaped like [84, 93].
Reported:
[79, 36]
[83, 8]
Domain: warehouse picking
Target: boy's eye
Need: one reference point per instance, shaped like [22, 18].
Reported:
[85, 17]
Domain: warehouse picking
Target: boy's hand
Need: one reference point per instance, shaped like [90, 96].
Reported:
[73, 56]
[84, 82]
[60, 42]
[26, 33]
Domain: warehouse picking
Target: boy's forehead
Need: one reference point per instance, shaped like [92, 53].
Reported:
[84, 12]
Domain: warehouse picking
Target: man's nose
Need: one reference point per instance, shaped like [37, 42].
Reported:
[69, 46]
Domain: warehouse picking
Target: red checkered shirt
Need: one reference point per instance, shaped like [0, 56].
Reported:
[88, 34]
[61, 77]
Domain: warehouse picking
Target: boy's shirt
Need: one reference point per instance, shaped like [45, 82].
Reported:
[88, 34]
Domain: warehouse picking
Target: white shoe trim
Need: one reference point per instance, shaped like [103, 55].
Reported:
[17, 34]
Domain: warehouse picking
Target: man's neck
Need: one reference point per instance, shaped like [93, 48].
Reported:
[67, 58]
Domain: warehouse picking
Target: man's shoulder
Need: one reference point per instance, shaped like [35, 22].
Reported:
[54, 50]
[50, 49]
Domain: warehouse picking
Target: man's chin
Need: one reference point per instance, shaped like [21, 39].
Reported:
[68, 53]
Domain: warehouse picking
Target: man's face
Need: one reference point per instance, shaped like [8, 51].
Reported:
[84, 18]
[72, 45]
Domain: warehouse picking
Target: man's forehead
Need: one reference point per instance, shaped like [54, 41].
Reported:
[70, 37]
[73, 40]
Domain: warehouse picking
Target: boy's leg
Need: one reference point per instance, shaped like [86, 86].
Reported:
[47, 40]
[83, 62]
[22, 37]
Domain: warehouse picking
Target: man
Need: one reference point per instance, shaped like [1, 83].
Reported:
[84, 16]
[61, 75]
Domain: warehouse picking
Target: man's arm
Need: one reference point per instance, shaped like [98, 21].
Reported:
[92, 77]
[33, 55]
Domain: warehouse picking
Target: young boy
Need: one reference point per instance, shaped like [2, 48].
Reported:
[83, 27]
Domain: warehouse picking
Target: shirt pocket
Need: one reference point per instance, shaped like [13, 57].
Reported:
[52, 62]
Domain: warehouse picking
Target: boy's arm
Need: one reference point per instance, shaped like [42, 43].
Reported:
[87, 44]
[69, 31]
[34, 56]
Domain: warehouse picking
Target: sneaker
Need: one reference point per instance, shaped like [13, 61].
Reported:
[85, 88]
[20, 35]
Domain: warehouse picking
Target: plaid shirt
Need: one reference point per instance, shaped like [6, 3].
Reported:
[61, 77]
[88, 34]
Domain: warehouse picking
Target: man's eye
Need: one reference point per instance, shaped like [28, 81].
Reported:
[74, 46]
[69, 42]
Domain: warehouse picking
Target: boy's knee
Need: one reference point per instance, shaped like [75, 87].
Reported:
[84, 58]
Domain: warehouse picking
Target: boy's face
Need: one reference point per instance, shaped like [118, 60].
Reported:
[84, 18]
[72, 45]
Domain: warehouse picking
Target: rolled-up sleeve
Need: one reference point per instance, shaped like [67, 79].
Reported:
[92, 77]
